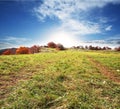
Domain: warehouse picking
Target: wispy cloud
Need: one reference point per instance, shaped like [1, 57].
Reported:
[104, 41]
[5, 45]
[70, 14]
[103, 20]
[16, 39]
[11, 41]
[108, 28]
[112, 41]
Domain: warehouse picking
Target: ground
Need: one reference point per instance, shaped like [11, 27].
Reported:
[61, 80]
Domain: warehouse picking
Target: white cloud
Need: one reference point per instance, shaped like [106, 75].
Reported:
[97, 41]
[17, 40]
[112, 41]
[100, 43]
[114, 37]
[103, 20]
[80, 28]
[109, 28]
[5, 45]
[73, 21]
[70, 11]
[10, 41]
[11, 38]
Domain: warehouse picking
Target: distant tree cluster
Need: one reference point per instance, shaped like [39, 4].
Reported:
[99, 48]
[57, 46]
[9, 51]
[31, 50]
[117, 48]
[36, 49]
[22, 50]
[91, 47]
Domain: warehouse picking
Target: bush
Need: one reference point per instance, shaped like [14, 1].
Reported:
[60, 47]
[22, 50]
[7, 52]
[51, 45]
[117, 49]
[34, 49]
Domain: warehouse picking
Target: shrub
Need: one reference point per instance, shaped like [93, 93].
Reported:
[22, 50]
[60, 47]
[34, 49]
[51, 45]
[7, 52]
[117, 48]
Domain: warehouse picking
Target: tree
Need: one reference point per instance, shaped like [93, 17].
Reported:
[117, 48]
[22, 50]
[60, 47]
[91, 47]
[86, 47]
[51, 45]
[34, 49]
[7, 52]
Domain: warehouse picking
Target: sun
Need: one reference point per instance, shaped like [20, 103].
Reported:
[63, 37]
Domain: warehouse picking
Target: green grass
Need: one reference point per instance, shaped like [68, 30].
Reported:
[60, 80]
[111, 60]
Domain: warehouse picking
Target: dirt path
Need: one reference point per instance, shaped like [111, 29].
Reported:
[104, 70]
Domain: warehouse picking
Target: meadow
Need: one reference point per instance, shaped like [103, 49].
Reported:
[67, 79]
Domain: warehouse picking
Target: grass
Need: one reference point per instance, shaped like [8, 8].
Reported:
[59, 80]
[111, 60]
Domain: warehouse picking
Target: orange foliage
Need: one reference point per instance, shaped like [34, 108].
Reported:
[22, 50]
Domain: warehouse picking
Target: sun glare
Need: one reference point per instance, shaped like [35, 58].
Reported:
[64, 38]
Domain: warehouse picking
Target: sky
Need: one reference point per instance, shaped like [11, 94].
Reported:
[69, 22]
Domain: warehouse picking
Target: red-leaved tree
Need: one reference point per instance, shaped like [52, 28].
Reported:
[34, 49]
[22, 50]
[60, 47]
[7, 52]
[51, 45]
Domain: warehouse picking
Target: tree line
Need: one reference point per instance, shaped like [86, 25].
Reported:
[95, 48]
[36, 48]
[32, 50]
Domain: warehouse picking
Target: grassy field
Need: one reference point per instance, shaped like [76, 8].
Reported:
[60, 80]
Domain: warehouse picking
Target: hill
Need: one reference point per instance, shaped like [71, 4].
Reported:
[61, 80]
[13, 50]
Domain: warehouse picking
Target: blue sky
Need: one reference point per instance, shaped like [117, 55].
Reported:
[70, 22]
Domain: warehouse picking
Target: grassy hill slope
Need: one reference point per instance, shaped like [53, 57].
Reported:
[60, 80]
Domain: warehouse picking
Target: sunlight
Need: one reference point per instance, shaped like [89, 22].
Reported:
[64, 38]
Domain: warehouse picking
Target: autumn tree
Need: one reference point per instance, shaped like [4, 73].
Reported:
[22, 50]
[117, 48]
[60, 47]
[34, 49]
[7, 52]
[51, 45]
